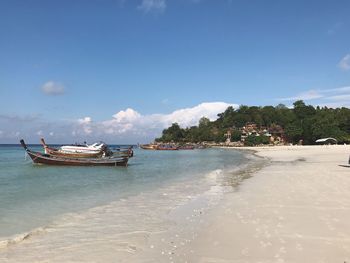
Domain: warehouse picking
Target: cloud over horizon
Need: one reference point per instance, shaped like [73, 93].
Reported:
[132, 124]
[125, 126]
[344, 63]
[306, 95]
[337, 97]
[52, 88]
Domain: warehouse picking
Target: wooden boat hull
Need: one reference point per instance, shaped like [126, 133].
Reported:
[186, 148]
[148, 147]
[47, 159]
[158, 147]
[167, 149]
[40, 158]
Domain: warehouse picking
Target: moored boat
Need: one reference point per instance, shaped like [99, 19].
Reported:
[159, 147]
[40, 158]
[58, 152]
[166, 147]
[186, 147]
[104, 152]
[148, 146]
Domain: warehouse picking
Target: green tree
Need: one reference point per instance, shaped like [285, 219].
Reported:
[325, 125]
[173, 134]
[253, 140]
[303, 122]
[294, 132]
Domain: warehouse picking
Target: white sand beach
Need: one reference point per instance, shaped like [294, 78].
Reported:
[295, 210]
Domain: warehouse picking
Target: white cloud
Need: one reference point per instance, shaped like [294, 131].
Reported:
[131, 123]
[85, 120]
[129, 115]
[152, 6]
[16, 118]
[306, 95]
[339, 90]
[190, 116]
[344, 63]
[337, 97]
[52, 88]
[85, 126]
[125, 126]
[345, 97]
[122, 122]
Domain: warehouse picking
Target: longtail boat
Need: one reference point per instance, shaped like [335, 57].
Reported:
[40, 158]
[104, 152]
[167, 147]
[148, 146]
[186, 147]
[58, 152]
[160, 147]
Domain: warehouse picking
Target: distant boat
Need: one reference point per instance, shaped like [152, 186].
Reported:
[159, 147]
[167, 147]
[186, 147]
[71, 154]
[201, 147]
[40, 158]
[148, 146]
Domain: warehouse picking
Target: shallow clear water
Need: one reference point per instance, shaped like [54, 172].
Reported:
[32, 196]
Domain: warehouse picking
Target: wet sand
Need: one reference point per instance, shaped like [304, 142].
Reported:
[295, 210]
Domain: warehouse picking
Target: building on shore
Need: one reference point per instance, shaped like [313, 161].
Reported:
[275, 133]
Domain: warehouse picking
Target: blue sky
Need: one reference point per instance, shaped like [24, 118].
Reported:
[72, 70]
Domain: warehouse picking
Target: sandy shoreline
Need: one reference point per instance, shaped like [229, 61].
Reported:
[295, 209]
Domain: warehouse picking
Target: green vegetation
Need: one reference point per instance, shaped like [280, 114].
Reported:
[303, 122]
[256, 140]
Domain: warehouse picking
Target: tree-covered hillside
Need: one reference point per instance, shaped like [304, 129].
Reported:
[302, 122]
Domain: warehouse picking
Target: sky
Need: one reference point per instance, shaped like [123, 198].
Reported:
[123, 70]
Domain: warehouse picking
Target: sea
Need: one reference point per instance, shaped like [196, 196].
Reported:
[75, 207]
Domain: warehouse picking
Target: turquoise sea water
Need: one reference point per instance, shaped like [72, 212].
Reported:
[32, 196]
